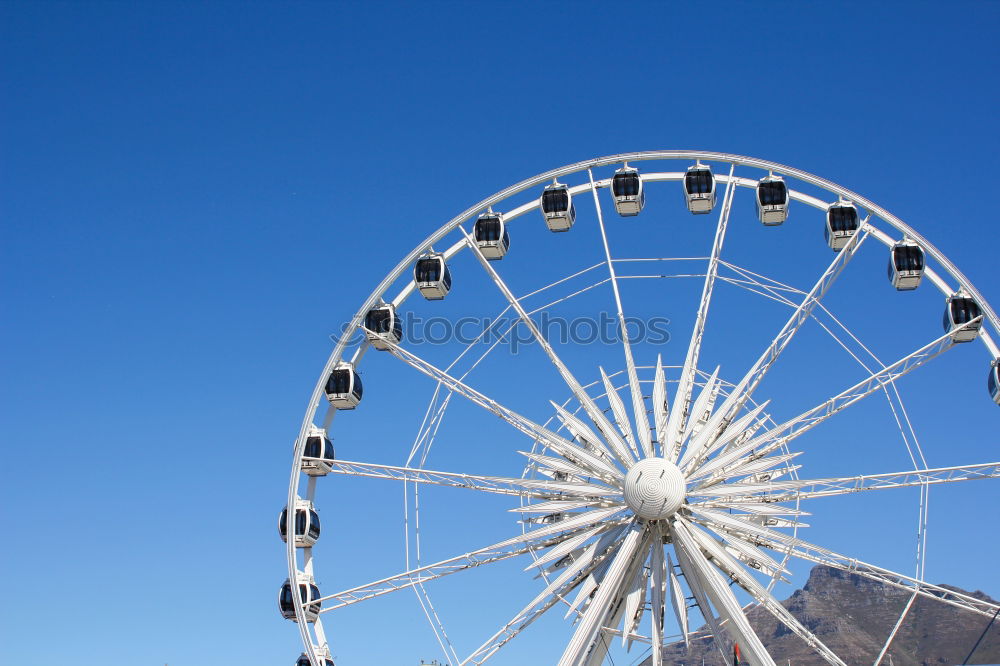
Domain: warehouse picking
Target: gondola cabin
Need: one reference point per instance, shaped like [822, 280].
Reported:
[383, 327]
[557, 207]
[307, 592]
[325, 660]
[432, 276]
[306, 521]
[841, 224]
[993, 381]
[699, 189]
[343, 387]
[490, 234]
[626, 189]
[772, 200]
[960, 310]
[906, 265]
[318, 454]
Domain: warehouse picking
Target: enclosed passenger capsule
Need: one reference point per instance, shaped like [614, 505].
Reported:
[772, 200]
[491, 237]
[432, 276]
[343, 387]
[906, 265]
[307, 592]
[557, 207]
[306, 524]
[383, 327]
[841, 224]
[959, 311]
[626, 188]
[318, 453]
[699, 189]
[993, 381]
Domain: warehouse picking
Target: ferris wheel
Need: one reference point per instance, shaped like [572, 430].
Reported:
[654, 491]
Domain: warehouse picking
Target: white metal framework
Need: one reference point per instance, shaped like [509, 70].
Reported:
[659, 485]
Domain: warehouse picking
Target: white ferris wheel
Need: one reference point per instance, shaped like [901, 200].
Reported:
[657, 489]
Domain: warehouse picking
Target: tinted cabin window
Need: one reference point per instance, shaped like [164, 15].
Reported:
[964, 310]
[285, 600]
[555, 201]
[378, 320]
[313, 448]
[358, 388]
[328, 449]
[339, 382]
[625, 184]
[908, 258]
[300, 523]
[843, 218]
[447, 279]
[698, 181]
[315, 595]
[992, 383]
[313, 524]
[772, 193]
[429, 270]
[488, 229]
[281, 521]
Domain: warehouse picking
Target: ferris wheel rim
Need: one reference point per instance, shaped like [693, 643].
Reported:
[377, 295]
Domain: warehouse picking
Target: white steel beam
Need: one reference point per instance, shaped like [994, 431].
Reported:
[638, 404]
[537, 489]
[738, 493]
[737, 625]
[682, 399]
[544, 537]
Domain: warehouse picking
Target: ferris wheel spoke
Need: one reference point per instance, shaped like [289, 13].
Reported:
[721, 595]
[717, 553]
[684, 388]
[773, 439]
[657, 581]
[582, 566]
[544, 537]
[770, 492]
[744, 427]
[638, 404]
[595, 414]
[661, 406]
[618, 410]
[751, 380]
[698, 588]
[598, 465]
[530, 488]
[593, 618]
[587, 437]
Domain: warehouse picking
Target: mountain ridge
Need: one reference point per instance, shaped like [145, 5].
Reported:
[853, 615]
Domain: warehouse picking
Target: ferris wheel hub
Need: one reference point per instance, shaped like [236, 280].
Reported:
[654, 488]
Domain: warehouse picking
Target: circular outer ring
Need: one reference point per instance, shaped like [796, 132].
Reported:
[740, 160]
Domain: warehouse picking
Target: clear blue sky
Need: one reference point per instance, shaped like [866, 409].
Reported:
[194, 195]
